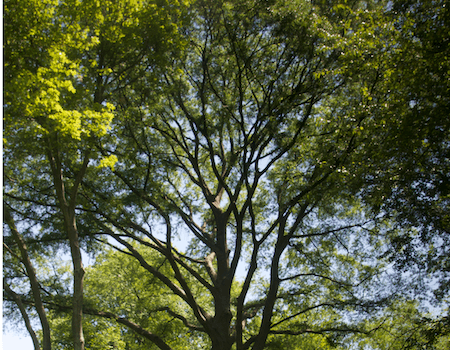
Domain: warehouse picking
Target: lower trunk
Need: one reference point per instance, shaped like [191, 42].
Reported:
[219, 330]
[78, 278]
[221, 342]
[77, 317]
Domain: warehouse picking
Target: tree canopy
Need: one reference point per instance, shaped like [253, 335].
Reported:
[244, 174]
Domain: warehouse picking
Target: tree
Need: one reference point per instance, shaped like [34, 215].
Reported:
[414, 155]
[243, 129]
[55, 103]
[424, 166]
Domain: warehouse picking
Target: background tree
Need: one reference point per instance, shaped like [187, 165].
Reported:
[413, 153]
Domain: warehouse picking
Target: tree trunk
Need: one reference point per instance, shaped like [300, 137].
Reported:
[220, 331]
[78, 278]
[68, 211]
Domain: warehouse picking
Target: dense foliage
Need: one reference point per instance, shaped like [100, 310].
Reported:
[240, 174]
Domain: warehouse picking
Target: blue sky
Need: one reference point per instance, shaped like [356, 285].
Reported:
[14, 341]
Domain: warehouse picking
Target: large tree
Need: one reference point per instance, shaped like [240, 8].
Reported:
[255, 148]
